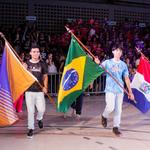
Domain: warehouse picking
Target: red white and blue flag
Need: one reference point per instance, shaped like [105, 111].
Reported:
[141, 85]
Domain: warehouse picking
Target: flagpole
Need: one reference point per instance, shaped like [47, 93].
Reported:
[80, 42]
[2, 35]
[95, 58]
[51, 99]
[138, 50]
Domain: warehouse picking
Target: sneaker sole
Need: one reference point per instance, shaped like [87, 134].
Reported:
[117, 134]
[29, 137]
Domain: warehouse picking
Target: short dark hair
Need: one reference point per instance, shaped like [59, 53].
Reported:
[35, 46]
[117, 46]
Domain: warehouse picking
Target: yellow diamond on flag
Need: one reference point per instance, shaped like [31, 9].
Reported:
[72, 78]
[79, 72]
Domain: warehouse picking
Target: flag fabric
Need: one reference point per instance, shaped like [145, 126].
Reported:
[141, 86]
[0, 60]
[14, 80]
[79, 72]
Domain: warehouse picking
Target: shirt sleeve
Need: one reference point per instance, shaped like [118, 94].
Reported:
[125, 71]
[44, 68]
[104, 63]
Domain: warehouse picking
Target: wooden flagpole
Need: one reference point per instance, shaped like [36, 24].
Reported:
[139, 51]
[50, 98]
[95, 58]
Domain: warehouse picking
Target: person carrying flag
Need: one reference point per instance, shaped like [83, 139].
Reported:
[34, 96]
[113, 92]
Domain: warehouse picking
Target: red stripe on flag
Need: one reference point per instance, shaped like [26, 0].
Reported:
[144, 69]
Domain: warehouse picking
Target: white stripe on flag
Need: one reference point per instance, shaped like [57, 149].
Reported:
[141, 85]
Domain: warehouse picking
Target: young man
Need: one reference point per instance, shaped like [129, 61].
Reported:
[35, 95]
[113, 92]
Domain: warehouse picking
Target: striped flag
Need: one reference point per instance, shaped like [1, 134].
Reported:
[14, 81]
[141, 86]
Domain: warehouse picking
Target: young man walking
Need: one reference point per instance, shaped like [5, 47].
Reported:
[35, 95]
[113, 92]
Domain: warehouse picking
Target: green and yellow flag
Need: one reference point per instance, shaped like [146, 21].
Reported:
[79, 72]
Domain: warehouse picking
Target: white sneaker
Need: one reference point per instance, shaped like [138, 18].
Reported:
[65, 116]
[78, 116]
[73, 114]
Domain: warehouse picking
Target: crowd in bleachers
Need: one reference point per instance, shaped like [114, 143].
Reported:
[99, 37]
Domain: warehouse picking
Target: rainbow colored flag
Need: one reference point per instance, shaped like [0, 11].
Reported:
[14, 81]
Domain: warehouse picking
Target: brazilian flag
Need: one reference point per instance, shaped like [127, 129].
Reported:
[79, 72]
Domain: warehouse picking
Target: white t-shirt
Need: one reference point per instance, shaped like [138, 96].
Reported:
[52, 69]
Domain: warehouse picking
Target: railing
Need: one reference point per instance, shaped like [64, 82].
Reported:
[97, 87]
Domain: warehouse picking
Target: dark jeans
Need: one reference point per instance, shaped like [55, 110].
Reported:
[77, 105]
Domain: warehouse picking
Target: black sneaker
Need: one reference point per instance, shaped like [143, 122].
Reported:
[116, 131]
[40, 124]
[104, 122]
[30, 133]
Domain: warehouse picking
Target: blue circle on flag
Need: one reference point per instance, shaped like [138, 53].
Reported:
[70, 79]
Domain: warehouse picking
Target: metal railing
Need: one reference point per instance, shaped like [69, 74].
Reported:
[97, 87]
